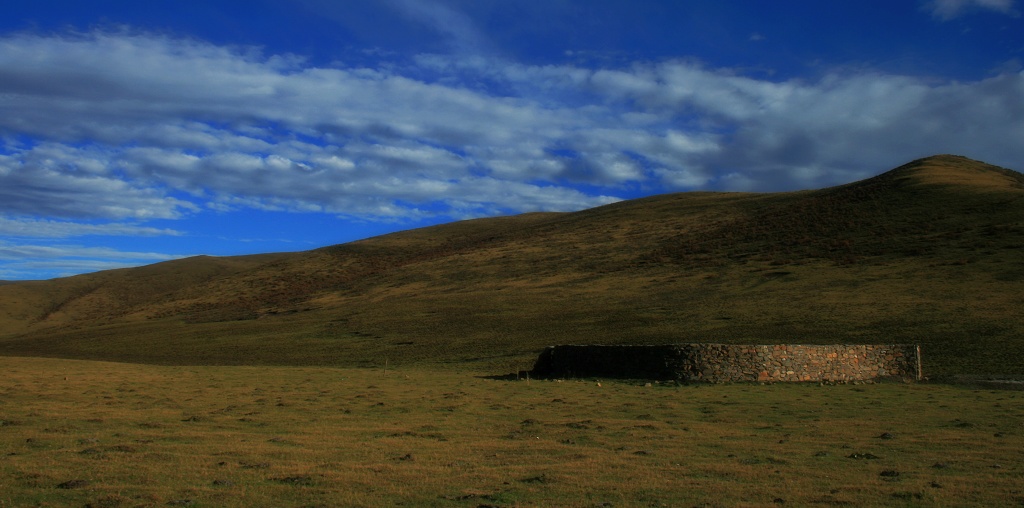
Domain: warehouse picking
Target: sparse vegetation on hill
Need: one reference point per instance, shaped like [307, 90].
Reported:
[929, 252]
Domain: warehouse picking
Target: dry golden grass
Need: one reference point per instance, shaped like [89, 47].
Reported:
[78, 433]
[928, 253]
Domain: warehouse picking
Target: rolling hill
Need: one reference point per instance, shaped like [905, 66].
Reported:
[931, 252]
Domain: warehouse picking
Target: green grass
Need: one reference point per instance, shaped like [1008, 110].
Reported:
[79, 433]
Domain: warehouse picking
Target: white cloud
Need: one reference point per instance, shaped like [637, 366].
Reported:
[20, 261]
[44, 228]
[462, 33]
[9, 251]
[949, 9]
[128, 127]
[230, 130]
[845, 125]
[58, 180]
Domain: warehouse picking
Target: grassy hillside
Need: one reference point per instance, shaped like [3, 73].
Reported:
[930, 252]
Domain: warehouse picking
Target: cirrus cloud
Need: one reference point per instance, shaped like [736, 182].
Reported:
[949, 9]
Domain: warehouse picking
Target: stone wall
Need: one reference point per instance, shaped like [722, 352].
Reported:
[717, 363]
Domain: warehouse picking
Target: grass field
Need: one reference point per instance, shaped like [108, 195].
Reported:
[82, 433]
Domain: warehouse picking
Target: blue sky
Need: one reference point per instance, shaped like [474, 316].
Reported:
[136, 132]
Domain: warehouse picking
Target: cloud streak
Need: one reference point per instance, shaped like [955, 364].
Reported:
[20, 261]
[44, 228]
[949, 9]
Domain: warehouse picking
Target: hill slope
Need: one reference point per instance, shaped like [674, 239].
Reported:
[930, 252]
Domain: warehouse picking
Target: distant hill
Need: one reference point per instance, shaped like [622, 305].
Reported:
[931, 252]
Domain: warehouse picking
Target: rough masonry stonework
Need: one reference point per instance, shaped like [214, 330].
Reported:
[718, 363]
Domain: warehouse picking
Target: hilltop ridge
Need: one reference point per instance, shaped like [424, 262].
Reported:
[959, 171]
[927, 252]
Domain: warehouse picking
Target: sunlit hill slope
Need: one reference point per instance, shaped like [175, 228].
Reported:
[931, 252]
